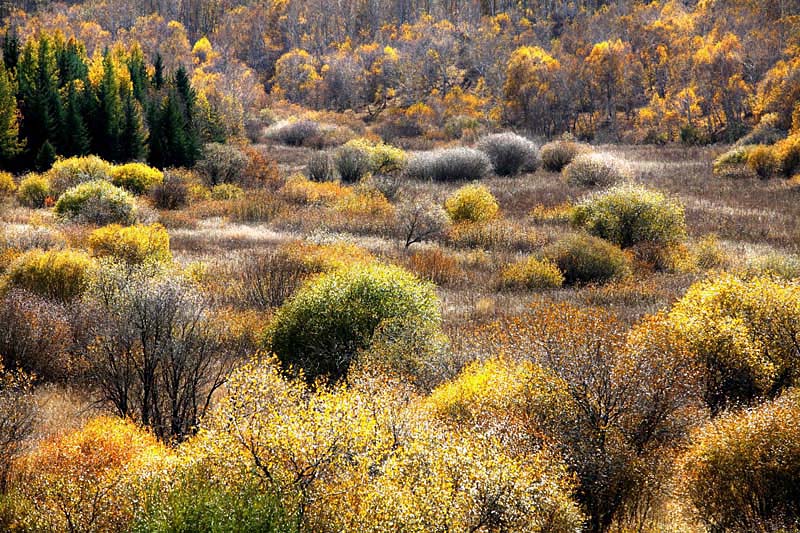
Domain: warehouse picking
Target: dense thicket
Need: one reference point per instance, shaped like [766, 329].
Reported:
[658, 72]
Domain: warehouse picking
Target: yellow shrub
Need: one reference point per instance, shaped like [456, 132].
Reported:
[497, 234]
[324, 257]
[740, 472]
[300, 190]
[132, 244]
[531, 273]
[226, 191]
[68, 173]
[471, 203]
[787, 153]
[365, 203]
[743, 334]
[7, 185]
[54, 274]
[33, 191]
[763, 161]
[137, 178]
[81, 481]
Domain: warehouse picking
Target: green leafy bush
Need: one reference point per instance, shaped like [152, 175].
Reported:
[58, 274]
[137, 178]
[597, 169]
[510, 153]
[586, 259]
[558, 154]
[33, 191]
[733, 163]
[740, 472]
[628, 215]
[321, 329]
[451, 164]
[97, 202]
[471, 203]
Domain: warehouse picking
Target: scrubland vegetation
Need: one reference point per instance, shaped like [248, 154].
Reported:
[286, 266]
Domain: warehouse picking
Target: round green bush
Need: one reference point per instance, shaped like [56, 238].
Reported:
[585, 259]
[628, 215]
[33, 191]
[510, 153]
[97, 202]
[334, 316]
[596, 169]
[59, 274]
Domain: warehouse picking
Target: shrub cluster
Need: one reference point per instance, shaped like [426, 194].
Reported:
[222, 163]
[352, 163]
[628, 215]
[226, 191]
[740, 472]
[471, 203]
[298, 133]
[172, 193]
[510, 153]
[597, 170]
[321, 167]
[743, 334]
[97, 202]
[451, 164]
[7, 185]
[382, 158]
[733, 163]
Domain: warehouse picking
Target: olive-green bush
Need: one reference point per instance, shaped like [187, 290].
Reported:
[585, 259]
[334, 316]
[628, 215]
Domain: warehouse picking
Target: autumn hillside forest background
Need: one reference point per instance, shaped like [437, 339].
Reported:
[399, 266]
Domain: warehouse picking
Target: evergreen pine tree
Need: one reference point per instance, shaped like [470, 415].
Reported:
[187, 100]
[133, 139]
[108, 117]
[76, 139]
[10, 51]
[10, 145]
[45, 157]
[158, 73]
[38, 97]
